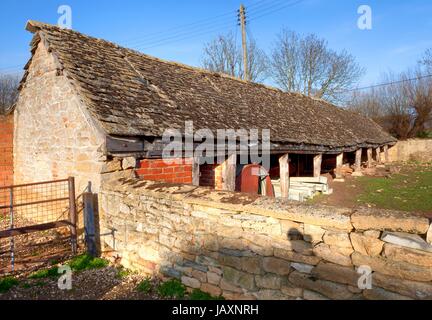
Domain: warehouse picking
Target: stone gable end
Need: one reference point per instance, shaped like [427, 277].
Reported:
[53, 137]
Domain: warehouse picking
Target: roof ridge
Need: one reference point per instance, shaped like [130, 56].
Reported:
[34, 26]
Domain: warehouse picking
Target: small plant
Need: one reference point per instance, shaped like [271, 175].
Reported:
[145, 286]
[197, 294]
[172, 289]
[45, 273]
[7, 283]
[87, 262]
[123, 273]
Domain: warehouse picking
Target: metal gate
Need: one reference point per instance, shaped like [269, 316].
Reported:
[37, 207]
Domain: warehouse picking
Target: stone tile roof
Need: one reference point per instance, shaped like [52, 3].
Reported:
[132, 94]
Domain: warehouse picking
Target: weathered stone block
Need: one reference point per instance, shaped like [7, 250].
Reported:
[413, 256]
[239, 278]
[191, 282]
[366, 245]
[271, 295]
[313, 296]
[302, 247]
[213, 290]
[332, 254]
[329, 289]
[275, 265]
[313, 233]
[406, 240]
[129, 163]
[336, 273]
[301, 267]
[227, 286]
[149, 254]
[213, 278]
[412, 289]
[199, 275]
[381, 294]
[252, 265]
[401, 270]
[107, 167]
[372, 233]
[296, 257]
[387, 220]
[268, 281]
[292, 291]
[337, 239]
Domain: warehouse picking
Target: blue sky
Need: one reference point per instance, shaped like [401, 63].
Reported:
[401, 28]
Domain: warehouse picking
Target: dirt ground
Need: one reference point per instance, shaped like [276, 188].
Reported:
[33, 251]
[95, 284]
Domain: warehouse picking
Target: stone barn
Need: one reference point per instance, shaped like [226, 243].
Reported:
[88, 107]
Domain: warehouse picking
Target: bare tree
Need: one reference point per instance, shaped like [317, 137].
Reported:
[224, 55]
[427, 60]
[8, 91]
[403, 108]
[307, 65]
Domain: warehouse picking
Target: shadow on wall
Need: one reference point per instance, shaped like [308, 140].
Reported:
[242, 268]
[233, 244]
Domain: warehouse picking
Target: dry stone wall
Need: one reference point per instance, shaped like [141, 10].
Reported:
[412, 150]
[249, 247]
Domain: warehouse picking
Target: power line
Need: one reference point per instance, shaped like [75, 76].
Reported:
[388, 83]
[277, 9]
[188, 27]
[203, 29]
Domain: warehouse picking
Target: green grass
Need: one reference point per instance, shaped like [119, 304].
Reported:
[123, 273]
[79, 263]
[87, 262]
[172, 289]
[145, 286]
[44, 273]
[411, 190]
[200, 295]
[7, 283]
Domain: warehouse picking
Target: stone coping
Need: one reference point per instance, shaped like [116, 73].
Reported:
[325, 216]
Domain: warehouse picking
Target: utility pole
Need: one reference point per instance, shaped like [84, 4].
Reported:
[244, 41]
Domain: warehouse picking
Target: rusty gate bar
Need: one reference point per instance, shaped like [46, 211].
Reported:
[72, 214]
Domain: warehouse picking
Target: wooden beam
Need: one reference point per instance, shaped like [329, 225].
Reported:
[358, 159]
[229, 173]
[378, 154]
[369, 157]
[127, 145]
[386, 154]
[196, 171]
[317, 161]
[339, 163]
[284, 175]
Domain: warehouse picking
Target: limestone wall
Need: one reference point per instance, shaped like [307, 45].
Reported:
[412, 150]
[245, 246]
[53, 137]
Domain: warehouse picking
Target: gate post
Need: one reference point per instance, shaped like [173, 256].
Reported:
[72, 214]
[89, 224]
